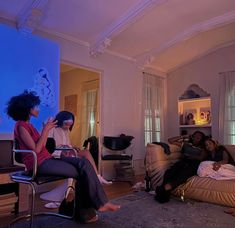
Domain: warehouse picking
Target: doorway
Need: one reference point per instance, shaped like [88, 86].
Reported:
[80, 94]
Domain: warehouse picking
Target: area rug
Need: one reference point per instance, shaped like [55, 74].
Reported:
[140, 210]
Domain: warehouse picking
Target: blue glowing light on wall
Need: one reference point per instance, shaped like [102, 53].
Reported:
[28, 62]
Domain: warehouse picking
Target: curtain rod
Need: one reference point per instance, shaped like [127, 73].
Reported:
[155, 75]
[230, 71]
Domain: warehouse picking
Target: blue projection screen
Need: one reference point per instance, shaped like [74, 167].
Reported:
[28, 62]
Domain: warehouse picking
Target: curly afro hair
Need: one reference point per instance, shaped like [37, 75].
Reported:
[18, 107]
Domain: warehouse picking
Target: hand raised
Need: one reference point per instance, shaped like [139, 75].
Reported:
[51, 123]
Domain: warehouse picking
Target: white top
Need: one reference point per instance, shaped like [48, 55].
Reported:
[61, 137]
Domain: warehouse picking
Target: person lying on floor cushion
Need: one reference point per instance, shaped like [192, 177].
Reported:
[219, 164]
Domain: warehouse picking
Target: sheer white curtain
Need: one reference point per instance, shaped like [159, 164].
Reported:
[90, 114]
[227, 108]
[152, 107]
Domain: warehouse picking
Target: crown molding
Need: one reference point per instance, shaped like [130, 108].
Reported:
[80, 42]
[120, 55]
[211, 50]
[148, 57]
[103, 40]
[30, 16]
[99, 47]
[65, 37]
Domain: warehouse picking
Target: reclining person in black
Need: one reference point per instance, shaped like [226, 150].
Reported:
[192, 154]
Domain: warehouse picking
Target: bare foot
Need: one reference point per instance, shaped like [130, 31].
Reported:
[103, 181]
[94, 219]
[109, 207]
[230, 210]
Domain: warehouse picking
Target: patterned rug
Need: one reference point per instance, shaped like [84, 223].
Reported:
[140, 210]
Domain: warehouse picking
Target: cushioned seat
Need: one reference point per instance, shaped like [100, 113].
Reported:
[24, 175]
[121, 157]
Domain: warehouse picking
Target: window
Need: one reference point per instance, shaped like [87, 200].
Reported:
[90, 112]
[89, 119]
[230, 117]
[152, 107]
[227, 108]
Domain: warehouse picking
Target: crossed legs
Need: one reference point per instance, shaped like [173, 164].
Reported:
[90, 191]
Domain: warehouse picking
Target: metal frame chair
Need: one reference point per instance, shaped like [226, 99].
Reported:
[115, 148]
[31, 179]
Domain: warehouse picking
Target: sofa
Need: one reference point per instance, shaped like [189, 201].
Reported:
[205, 189]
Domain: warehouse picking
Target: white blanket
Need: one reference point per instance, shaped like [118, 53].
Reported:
[225, 172]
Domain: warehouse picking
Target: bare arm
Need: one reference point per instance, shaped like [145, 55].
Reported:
[177, 140]
[225, 160]
[29, 142]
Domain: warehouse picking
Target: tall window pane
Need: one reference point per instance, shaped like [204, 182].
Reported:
[227, 108]
[152, 107]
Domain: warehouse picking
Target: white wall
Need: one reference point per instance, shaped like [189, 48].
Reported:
[203, 72]
[121, 91]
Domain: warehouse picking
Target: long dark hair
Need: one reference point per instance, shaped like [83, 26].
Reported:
[18, 107]
[221, 149]
[62, 116]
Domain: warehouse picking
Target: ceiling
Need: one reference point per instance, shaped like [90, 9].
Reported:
[161, 34]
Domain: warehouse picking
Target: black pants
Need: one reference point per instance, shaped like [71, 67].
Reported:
[88, 191]
[180, 172]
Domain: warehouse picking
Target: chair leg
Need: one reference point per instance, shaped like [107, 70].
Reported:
[33, 192]
[30, 215]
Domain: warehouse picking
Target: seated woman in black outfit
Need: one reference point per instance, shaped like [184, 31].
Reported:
[192, 154]
[219, 163]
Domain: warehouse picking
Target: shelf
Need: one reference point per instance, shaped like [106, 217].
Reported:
[196, 126]
[194, 99]
[195, 114]
[7, 186]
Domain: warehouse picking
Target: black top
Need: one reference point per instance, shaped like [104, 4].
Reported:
[191, 151]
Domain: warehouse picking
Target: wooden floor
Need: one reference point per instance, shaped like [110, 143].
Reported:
[117, 189]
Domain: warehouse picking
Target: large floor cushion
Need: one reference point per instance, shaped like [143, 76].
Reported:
[209, 190]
